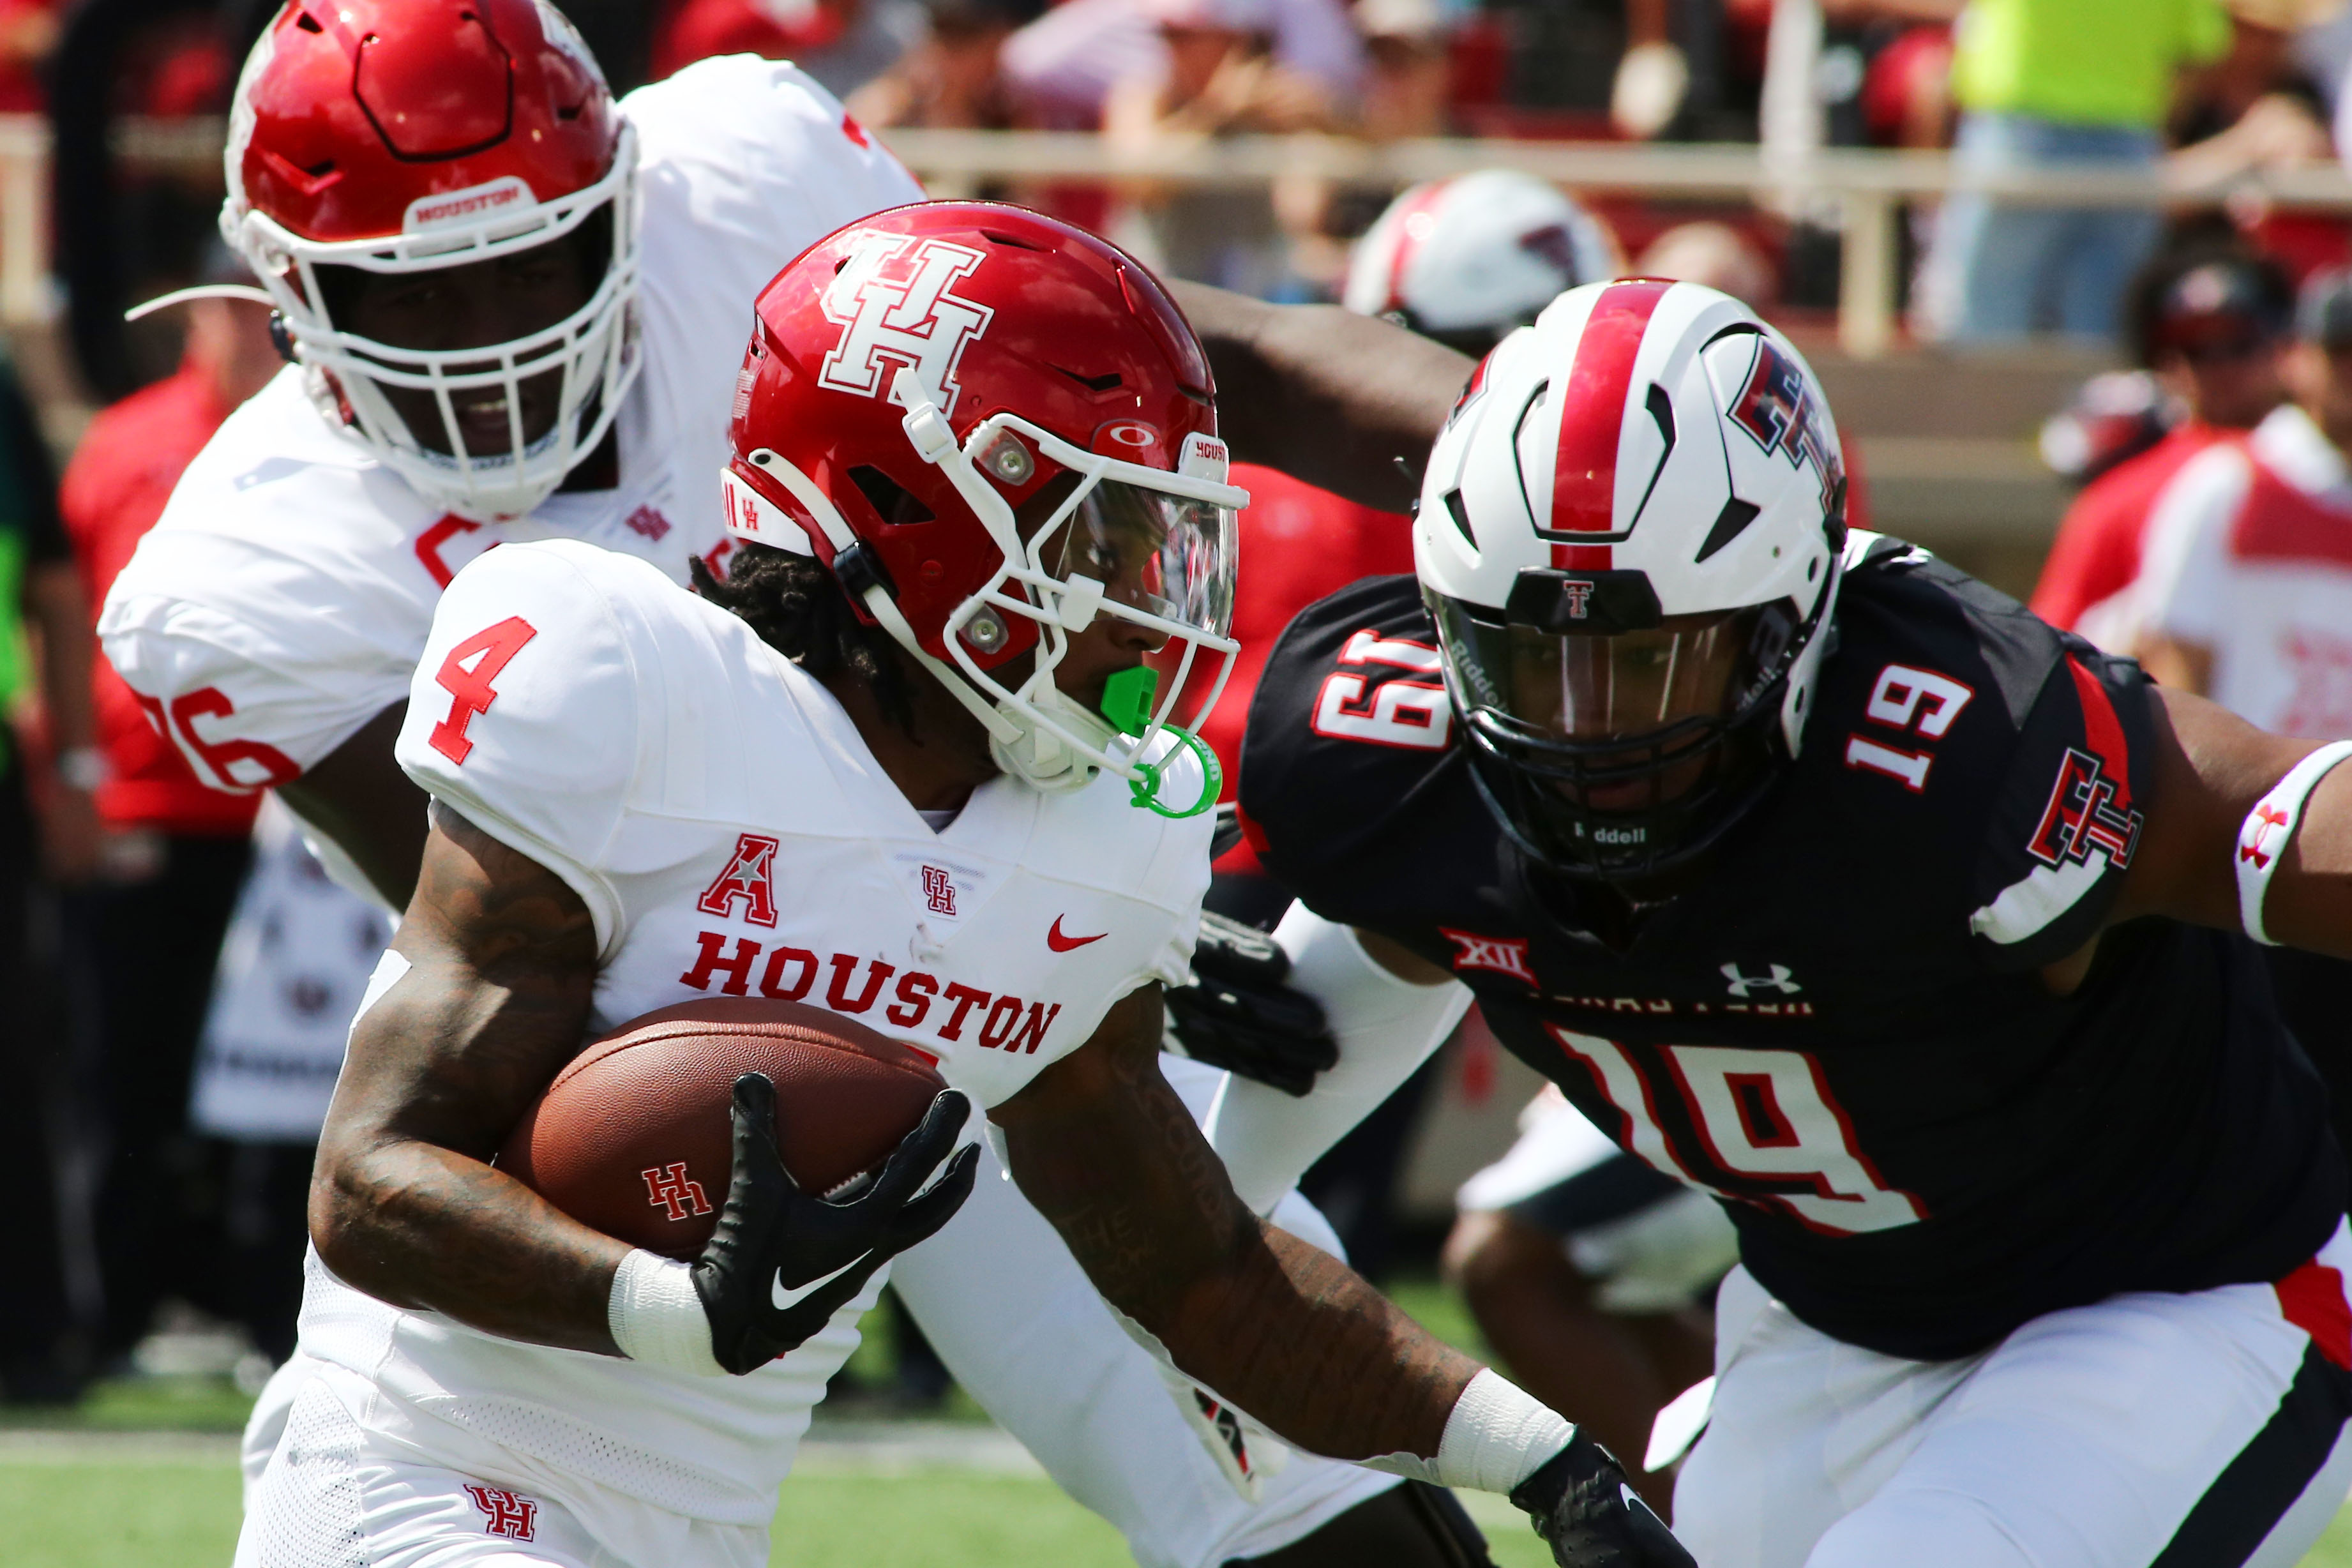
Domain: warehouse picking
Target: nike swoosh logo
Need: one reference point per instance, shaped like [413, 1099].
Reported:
[1060, 944]
[784, 1300]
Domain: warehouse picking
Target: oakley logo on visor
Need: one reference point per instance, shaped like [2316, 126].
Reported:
[1602, 604]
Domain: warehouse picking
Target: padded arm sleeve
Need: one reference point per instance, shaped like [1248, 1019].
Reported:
[1386, 1028]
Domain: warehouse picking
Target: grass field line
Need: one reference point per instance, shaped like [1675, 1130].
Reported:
[35, 1446]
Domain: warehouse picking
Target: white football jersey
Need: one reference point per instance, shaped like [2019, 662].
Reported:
[731, 835]
[2250, 554]
[282, 600]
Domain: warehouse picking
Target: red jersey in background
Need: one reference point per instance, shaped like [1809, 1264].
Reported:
[2096, 556]
[113, 492]
[1298, 544]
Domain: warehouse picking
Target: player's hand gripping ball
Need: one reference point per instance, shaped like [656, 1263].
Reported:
[783, 1150]
[1592, 1518]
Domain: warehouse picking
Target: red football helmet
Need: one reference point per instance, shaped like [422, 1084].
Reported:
[406, 135]
[915, 377]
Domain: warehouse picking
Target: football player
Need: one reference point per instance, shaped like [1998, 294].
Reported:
[1836, 885]
[516, 310]
[912, 761]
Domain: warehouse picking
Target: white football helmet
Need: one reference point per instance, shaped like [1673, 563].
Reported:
[1467, 260]
[1630, 537]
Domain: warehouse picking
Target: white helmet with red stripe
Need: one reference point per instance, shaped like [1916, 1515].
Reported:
[1629, 536]
[1467, 260]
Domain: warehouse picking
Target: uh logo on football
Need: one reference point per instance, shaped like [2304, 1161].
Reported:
[744, 889]
[894, 305]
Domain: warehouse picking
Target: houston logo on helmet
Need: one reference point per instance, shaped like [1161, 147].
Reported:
[893, 304]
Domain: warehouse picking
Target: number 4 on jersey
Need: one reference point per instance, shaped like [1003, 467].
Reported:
[469, 688]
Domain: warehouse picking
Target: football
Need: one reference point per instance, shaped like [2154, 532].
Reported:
[634, 1138]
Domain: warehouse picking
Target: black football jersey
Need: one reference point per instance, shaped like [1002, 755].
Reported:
[1841, 1028]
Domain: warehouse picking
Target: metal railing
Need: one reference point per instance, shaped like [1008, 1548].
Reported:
[1865, 187]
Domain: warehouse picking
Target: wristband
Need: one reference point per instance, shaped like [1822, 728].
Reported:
[2270, 827]
[1497, 1436]
[657, 1317]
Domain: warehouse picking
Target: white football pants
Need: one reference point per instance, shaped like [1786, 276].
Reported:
[2146, 1431]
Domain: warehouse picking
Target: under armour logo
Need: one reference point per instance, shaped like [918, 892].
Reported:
[2257, 834]
[1501, 955]
[910, 321]
[750, 876]
[938, 891]
[671, 1190]
[1779, 977]
[1576, 596]
[516, 1518]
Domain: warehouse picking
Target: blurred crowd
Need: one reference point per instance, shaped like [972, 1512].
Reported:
[184, 967]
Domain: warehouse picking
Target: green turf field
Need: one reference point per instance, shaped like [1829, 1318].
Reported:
[79, 1489]
[169, 1513]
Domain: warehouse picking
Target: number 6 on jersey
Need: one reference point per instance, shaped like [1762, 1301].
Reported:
[469, 689]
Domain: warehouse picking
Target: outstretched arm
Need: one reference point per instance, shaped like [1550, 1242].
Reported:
[2213, 769]
[1325, 395]
[1102, 1147]
[1107, 1151]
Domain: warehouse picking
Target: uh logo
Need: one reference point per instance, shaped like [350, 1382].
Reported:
[892, 301]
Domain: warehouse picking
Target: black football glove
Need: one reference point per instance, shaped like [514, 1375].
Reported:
[1238, 1014]
[783, 1262]
[1592, 1518]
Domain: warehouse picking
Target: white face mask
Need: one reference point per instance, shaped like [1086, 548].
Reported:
[594, 350]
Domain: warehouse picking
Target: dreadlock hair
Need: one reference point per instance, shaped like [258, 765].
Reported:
[797, 606]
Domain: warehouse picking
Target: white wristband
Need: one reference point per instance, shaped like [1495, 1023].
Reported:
[656, 1318]
[1498, 1436]
[2270, 827]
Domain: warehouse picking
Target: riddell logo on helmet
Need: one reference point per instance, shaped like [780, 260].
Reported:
[449, 208]
[894, 304]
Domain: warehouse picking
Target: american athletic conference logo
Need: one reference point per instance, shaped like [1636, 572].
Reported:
[908, 319]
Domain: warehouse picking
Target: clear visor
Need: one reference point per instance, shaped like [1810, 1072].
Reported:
[1689, 671]
[1168, 556]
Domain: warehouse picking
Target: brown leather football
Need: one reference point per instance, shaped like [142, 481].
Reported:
[633, 1137]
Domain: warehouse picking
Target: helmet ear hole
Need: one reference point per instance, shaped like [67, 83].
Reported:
[891, 501]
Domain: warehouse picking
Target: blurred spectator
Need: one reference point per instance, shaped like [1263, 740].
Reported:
[1224, 73]
[2248, 600]
[1715, 254]
[843, 44]
[1064, 68]
[39, 1360]
[28, 31]
[2055, 83]
[2210, 324]
[45, 645]
[1411, 69]
[950, 78]
[142, 938]
[2112, 418]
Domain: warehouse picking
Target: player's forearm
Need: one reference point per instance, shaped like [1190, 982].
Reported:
[1331, 397]
[1104, 1150]
[425, 1227]
[60, 612]
[1303, 1344]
